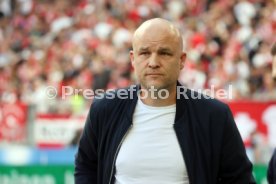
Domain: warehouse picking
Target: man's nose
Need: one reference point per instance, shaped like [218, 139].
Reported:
[153, 61]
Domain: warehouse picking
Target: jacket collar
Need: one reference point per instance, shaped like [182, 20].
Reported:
[181, 100]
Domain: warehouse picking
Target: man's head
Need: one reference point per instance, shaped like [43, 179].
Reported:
[157, 55]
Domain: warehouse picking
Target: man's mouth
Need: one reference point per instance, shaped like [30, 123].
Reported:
[154, 74]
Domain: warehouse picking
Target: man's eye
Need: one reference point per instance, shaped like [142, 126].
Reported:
[144, 53]
[165, 53]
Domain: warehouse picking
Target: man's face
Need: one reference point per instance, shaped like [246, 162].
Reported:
[157, 59]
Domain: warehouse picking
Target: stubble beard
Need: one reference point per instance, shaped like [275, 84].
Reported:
[157, 87]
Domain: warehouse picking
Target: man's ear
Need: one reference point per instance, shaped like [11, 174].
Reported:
[182, 60]
[131, 55]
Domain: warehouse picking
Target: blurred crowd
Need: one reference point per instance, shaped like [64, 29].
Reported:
[85, 44]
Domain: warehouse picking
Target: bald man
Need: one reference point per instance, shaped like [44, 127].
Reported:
[158, 132]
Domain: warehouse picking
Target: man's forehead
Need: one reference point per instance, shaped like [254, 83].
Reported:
[163, 47]
[168, 43]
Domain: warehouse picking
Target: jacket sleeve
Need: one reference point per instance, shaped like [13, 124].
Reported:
[235, 166]
[86, 162]
[271, 172]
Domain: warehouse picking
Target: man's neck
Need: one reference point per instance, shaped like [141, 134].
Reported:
[159, 98]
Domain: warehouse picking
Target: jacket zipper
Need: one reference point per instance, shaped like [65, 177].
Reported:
[116, 153]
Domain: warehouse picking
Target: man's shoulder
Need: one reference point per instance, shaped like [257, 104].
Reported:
[205, 109]
[202, 100]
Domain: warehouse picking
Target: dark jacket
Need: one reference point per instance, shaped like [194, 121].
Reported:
[271, 172]
[209, 139]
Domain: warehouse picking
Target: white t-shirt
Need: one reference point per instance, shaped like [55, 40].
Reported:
[150, 152]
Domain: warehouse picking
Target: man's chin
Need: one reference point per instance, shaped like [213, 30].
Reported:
[157, 85]
[154, 85]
